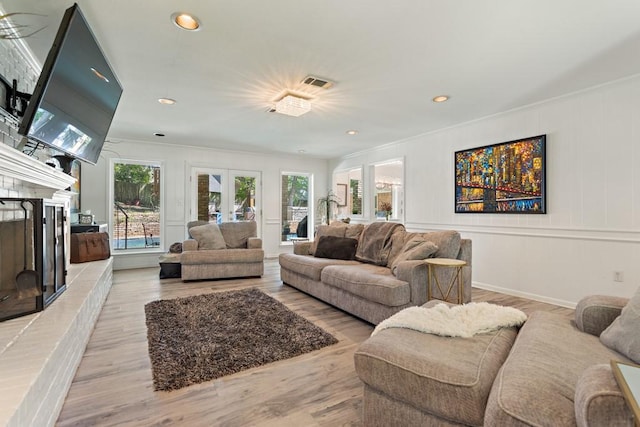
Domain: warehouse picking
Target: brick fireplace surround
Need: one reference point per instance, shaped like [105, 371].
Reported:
[40, 352]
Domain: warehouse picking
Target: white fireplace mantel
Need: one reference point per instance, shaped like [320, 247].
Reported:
[41, 179]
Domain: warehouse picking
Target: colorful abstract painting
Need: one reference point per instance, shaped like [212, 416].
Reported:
[503, 178]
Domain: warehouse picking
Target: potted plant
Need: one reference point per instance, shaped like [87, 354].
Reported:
[386, 208]
[327, 204]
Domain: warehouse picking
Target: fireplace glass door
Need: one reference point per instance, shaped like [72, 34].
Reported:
[53, 252]
[32, 255]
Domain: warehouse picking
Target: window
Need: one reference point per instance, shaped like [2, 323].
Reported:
[351, 181]
[388, 190]
[295, 206]
[136, 205]
[224, 195]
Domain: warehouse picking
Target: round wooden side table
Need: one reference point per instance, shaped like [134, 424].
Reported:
[435, 263]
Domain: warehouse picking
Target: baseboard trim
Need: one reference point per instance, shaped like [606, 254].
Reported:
[527, 295]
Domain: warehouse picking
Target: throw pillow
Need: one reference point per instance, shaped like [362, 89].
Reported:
[236, 234]
[397, 243]
[195, 223]
[326, 230]
[208, 236]
[416, 248]
[336, 247]
[622, 335]
[175, 248]
[447, 241]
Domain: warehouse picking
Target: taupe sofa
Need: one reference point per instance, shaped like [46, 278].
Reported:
[370, 290]
[239, 255]
[552, 372]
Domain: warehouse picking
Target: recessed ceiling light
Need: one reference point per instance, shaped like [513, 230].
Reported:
[158, 134]
[352, 132]
[186, 21]
[166, 101]
[440, 98]
[302, 151]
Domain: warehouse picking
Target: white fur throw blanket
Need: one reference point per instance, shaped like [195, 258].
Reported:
[464, 320]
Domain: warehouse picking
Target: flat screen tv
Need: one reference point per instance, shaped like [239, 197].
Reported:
[77, 93]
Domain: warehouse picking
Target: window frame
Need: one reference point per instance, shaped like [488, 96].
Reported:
[110, 205]
[346, 211]
[310, 206]
[400, 205]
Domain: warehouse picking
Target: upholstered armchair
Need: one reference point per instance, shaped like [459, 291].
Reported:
[216, 251]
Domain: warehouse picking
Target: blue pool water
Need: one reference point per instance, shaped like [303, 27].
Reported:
[135, 243]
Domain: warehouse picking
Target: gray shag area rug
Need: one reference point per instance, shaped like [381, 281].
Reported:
[200, 338]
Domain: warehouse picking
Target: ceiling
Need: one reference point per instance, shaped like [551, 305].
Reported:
[387, 59]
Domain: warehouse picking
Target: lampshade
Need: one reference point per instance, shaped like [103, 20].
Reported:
[292, 105]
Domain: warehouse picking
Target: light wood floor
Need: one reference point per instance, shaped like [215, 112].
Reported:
[113, 384]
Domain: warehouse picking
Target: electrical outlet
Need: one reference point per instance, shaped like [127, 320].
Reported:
[618, 276]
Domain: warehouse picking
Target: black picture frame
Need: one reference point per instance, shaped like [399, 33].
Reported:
[509, 177]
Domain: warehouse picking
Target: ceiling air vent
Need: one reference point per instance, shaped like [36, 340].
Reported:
[316, 81]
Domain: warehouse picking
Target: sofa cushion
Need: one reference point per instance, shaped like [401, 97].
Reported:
[336, 247]
[229, 256]
[538, 380]
[447, 377]
[622, 335]
[354, 231]
[326, 230]
[208, 236]
[448, 243]
[195, 223]
[236, 234]
[416, 248]
[371, 282]
[309, 266]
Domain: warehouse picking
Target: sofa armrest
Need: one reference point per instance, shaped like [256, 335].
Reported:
[598, 399]
[595, 313]
[465, 254]
[415, 273]
[190, 245]
[302, 248]
[254, 243]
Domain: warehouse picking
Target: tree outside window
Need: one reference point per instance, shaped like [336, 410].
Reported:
[295, 206]
[136, 206]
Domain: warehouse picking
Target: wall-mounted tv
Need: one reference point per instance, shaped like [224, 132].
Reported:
[77, 93]
[502, 178]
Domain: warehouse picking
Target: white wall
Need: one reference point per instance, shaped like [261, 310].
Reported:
[176, 198]
[592, 225]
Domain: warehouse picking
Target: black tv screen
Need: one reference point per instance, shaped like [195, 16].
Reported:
[77, 93]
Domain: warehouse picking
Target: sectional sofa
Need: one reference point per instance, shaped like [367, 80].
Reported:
[373, 271]
[554, 371]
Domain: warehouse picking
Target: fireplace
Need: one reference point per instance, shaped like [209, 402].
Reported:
[32, 255]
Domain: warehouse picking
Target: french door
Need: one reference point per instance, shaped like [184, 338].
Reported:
[225, 195]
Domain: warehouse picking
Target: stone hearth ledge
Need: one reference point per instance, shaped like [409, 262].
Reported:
[40, 352]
